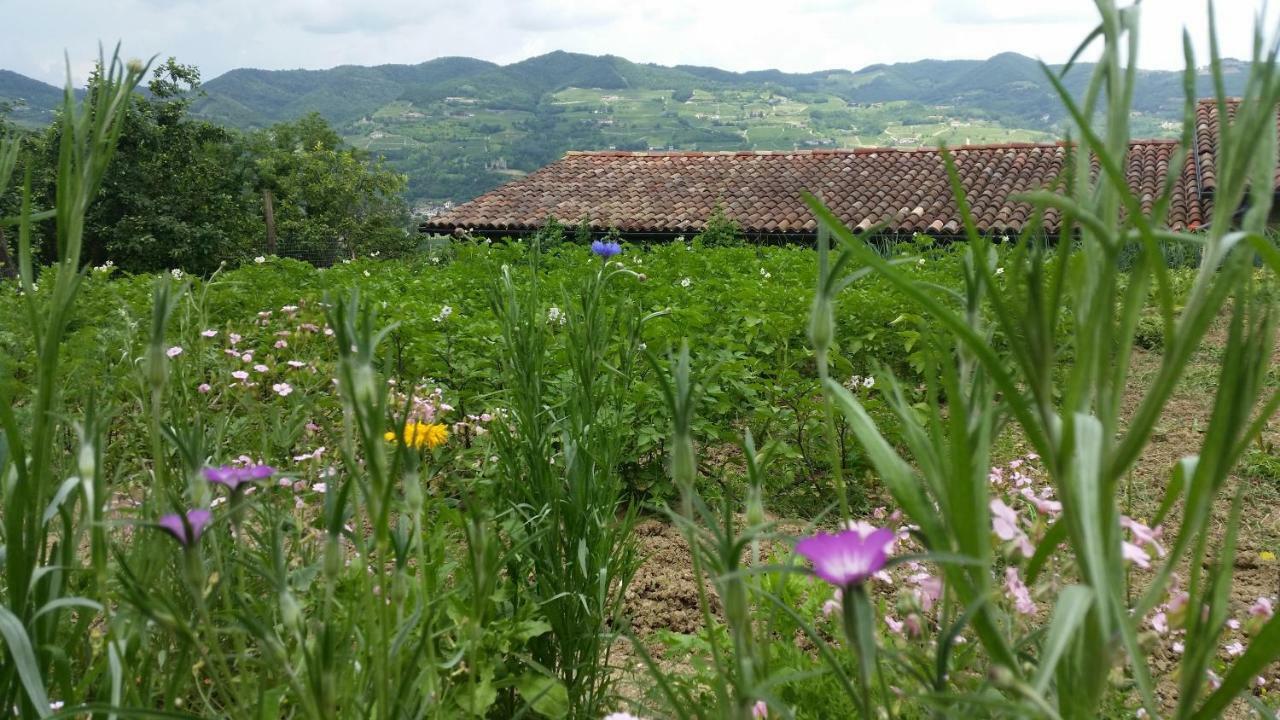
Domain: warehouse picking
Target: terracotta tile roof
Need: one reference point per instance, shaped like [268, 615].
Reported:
[675, 192]
[1207, 129]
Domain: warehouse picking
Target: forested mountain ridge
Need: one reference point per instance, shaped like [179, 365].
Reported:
[26, 101]
[458, 126]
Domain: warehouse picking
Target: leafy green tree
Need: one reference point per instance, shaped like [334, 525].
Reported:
[185, 193]
[326, 200]
[175, 196]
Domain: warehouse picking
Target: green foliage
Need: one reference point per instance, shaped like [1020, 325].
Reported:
[719, 231]
[47, 517]
[1077, 426]
[462, 546]
[767, 378]
[559, 449]
[329, 201]
[191, 195]
[459, 126]
[1149, 334]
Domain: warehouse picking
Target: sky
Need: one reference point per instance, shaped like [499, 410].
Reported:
[794, 35]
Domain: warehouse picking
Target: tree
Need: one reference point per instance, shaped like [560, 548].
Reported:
[175, 195]
[326, 200]
[185, 193]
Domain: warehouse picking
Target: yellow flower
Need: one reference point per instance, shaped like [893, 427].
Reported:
[417, 435]
[1267, 556]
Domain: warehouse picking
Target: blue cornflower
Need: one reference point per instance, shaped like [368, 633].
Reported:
[605, 250]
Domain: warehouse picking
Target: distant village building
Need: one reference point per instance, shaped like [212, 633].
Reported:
[656, 195]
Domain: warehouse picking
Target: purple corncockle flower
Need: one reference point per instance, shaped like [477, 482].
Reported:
[605, 250]
[846, 558]
[233, 477]
[189, 532]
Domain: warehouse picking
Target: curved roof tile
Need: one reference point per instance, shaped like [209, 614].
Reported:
[675, 192]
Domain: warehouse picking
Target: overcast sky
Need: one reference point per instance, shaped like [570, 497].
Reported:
[795, 35]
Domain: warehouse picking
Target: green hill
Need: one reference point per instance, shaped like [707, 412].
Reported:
[31, 103]
[459, 126]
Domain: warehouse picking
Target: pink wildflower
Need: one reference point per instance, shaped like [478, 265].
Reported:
[1135, 554]
[1043, 503]
[928, 589]
[832, 606]
[282, 389]
[174, 351]
[1261, 608]
[313, 455]
[1018, 591]
[1143, 535]
[281, 344]
[1160, 623]
[1004, 522]
[864, 530]
[846, 558]
[204, 387]
[895, 626]
[208, 333]
[913, 625]
[760, 709]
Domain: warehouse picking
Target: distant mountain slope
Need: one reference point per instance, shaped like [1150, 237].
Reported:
[1007, 86]
[458, 126]
[31, 102]
[257, 98]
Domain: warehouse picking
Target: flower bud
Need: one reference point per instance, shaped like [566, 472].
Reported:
[683, 466]
[821, 325]
[400, 588]
[755, 505]
[1001, 677]
[87, 462]
[413, 493]
[157, 367]
[364, 385]
[290, 612]
[913, 626]
[333, 558]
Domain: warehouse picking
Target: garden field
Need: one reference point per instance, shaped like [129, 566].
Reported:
[252, 372]
[568, 476]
